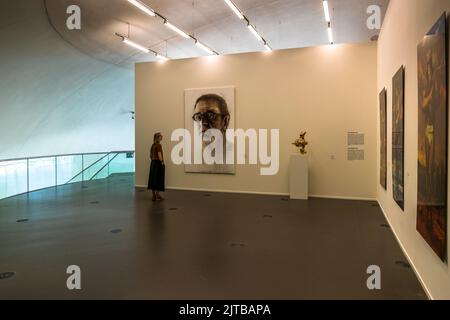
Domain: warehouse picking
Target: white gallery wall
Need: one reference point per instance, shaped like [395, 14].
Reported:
[406, 23]
[54, 98]
[327, 91]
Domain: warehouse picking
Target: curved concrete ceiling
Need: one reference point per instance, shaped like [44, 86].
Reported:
[283, 23]
[54, 99]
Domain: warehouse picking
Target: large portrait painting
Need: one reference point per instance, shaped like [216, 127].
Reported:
[398, 135]
[383, 138]
[432, 156]
[208, 110]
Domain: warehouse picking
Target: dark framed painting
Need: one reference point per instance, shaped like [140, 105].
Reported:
[398, 137]
[432, 153]
[383, 138]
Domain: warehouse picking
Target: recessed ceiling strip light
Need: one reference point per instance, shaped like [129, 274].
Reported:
[235, 9]
[142, 7]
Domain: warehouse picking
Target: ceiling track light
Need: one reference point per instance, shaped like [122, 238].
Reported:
[326, 9]
[252, 29]
[255, 33]
[135, 45]
[204, 48]
[171, 26]
[176, 29]
[141, 47]
[330, 34]
[161, 57]
[235, 9]
[142, 7]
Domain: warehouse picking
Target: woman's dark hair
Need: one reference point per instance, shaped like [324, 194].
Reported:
[157, 137]
[208, 98]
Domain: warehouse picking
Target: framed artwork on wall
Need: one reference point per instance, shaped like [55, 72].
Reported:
[383, 138]
[432, 132]
[205, 109]
[398, 137]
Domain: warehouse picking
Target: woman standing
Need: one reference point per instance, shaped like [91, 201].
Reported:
[156, 181]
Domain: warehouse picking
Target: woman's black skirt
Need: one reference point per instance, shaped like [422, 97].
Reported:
[156, 180]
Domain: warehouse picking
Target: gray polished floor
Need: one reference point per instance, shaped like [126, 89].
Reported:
[195, 246]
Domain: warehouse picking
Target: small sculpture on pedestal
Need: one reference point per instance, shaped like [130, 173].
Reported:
[301, 143]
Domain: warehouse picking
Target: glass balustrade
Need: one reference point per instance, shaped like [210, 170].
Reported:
[123, 163]
[42, 173]
[13, 178]
[27, 175]
[68, 169]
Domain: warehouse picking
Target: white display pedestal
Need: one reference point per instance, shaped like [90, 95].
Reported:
[298, 177]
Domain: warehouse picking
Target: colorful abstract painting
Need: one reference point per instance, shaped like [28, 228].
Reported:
[383, 139]
[398, 135]
[432, 156]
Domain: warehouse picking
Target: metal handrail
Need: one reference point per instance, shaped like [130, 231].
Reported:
[65, 155]
[55, 157]
[83, 170]
[111, 160]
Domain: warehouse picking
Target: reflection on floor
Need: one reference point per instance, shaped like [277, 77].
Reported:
[195, 246]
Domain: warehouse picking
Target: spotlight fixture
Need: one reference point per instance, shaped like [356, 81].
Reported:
[135, 45]
[142, 7]
[203, 47]
[255, 33]
[235, 9]
[176, 29]
[326, 10]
